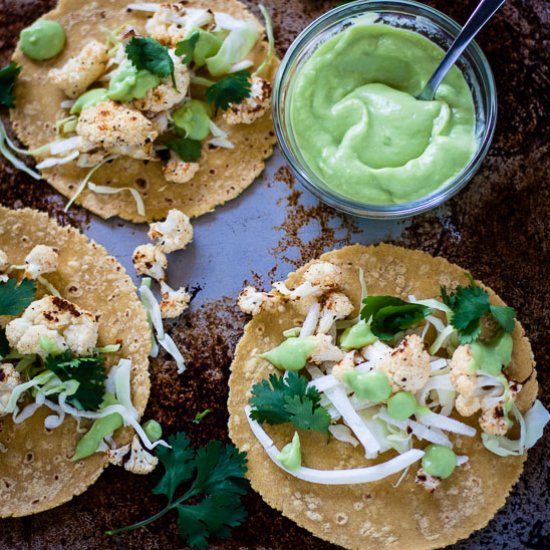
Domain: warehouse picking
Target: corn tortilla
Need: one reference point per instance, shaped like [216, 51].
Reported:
[375, 515]
[36, 472]
[224, 173]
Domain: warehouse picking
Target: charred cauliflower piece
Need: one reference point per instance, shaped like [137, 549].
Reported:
[40, 260]
[150, 260]
[325, 350]
[252, 108]
[82, 70]
[165, 96]
[174, 302]
[59, 321]
[118, 129]
[140, 461]
[464, 380]
[171, 22]
[179, 171]
[9, 379]
[252, 301]
[407, 366]
[336, 307]
[174, 233]
[428, 482]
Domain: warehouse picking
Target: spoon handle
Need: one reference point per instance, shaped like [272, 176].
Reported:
[484, 11]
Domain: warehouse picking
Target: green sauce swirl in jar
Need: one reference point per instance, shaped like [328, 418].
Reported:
[359, 126]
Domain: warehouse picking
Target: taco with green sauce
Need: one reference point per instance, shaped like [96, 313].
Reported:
[384, 397]
[146, 106]
[74, 381]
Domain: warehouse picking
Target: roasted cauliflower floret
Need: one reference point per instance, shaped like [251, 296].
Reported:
[494, 417]
[118, 129]
[82, 70]
[171, 22]
[464, 381]
[179, 171]
[116, 456]
[345, 365]
[174, 302]
[9, 378]
[252, 301]
[429, 482]
[336, 307]
[325, 350]
[252, 108]
[59, 321]
[4, 265]
[407, 366]
[174, 233]
[140, 461]
[40, 260]
[324, 275]
[150, 260]
[165, 96]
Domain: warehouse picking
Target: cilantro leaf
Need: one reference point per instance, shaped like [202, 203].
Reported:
[214, 516]
[8, 76]
[178, 463]
[14, 298]
[217, 471]
[89, 372]
[231, 89]
[200, 416]
[186, 48]
[278, 401]
[188, 150]
[390, 315]
[150, 55]
[505, 317]
[469, 304]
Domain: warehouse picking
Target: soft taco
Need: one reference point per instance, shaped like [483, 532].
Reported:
[384, 398]
[147, 106]
[74, 381]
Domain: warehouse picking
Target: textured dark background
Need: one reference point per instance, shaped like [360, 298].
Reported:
[499, 227]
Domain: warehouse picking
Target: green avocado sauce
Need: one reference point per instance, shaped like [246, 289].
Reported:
[439, 461]
[373, 385]
[292, 354]
[42, 40]
[361, 130]
[291, 455]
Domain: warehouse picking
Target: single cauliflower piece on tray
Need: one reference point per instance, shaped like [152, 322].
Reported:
[174, 233]
[174, 302]
[150, 260]
[140, 461]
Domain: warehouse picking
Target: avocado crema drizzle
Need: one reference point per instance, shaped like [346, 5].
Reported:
[399, 374]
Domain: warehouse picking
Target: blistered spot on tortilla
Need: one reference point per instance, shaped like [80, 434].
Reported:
[405, 517]
[36, 469]
[38, 106]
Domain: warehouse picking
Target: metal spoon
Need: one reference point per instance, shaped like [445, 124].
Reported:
[484, 11]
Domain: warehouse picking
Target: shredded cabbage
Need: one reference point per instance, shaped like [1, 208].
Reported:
[270, 41]
[57, 161]
[336, 477]
[105, 190]
[8, 155]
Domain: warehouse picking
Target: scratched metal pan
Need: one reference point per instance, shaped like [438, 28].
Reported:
[498, 228]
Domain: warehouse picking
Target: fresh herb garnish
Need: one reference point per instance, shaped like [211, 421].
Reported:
[278, 401]
[188, 150]
[469, 304]
[200, 415]
[8, 76]
[186, 48]
[217, 474]
[150, 55]
[89, 372]
[14, 298]
[231, 89]
[389, 315]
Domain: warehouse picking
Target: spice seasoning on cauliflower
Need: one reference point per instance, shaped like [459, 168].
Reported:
[56, 320]
[41, 260]
[174, 302]
[140, 461]
[174, 233]
[252, 108]
[150, 260]
[9, 379]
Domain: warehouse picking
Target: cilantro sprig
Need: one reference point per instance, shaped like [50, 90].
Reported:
[186, 48]
[390, 315]
[8, 76]
[89, 372]
[231, 89]
[214, 477]
[14, 298]
[188, 150]
[150, 55]
[278, 401]
[469, 304]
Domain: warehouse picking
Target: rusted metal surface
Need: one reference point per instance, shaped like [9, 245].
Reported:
[498, 227]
